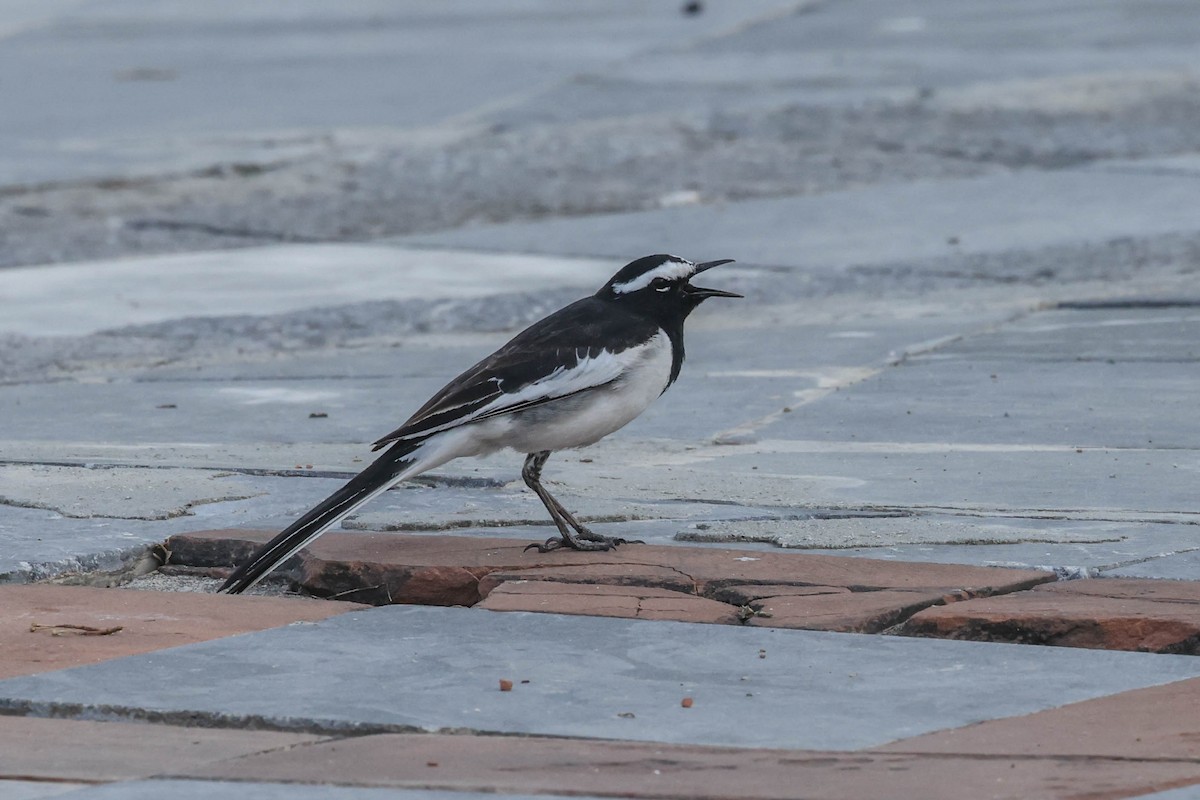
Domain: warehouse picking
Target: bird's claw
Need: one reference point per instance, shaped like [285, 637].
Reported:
[551, 544]
[594, 543]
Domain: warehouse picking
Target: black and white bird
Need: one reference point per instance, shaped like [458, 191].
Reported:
[564, 382]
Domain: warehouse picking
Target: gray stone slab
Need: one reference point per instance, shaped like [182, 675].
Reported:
[1040, 56]
[1017, 487]
[1187, 164]
[142, 86]
[41, 542]
[368, 390]
[487, 497]
[78, 299]
[1070, 548]
[206, 790]
[1125, 330]
[963, 477]
[1184, 566]
[82, 493]
[877, 225]
[901, 528]
[36, 790]
[438, 669]
[942, 45]
[270, 411]
[1017, 401]
[256, 416]
[1185, 793]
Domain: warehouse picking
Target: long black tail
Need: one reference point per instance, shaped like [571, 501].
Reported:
[373, 480]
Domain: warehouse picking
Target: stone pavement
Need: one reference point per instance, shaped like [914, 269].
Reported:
[920, 515]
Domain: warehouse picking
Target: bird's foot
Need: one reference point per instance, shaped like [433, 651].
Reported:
[611, 541]
[591, 542]
[582, 532]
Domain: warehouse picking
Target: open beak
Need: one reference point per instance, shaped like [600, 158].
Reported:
[700, 293]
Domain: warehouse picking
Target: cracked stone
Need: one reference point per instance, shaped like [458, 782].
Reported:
[1103, 613]
[634, 574]
[853, 612]
[116, 492]
[607, 601]
[814, 591]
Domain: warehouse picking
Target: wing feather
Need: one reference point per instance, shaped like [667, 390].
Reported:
[560, 356]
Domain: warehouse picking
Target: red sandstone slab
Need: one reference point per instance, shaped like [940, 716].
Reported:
[1145, 615]
[70, 750]
[635, 574]
[1162, 591]
[852, 612]
[445, 569]
[509, 765]
[630, 602]
[147, 620]
[1156, 722]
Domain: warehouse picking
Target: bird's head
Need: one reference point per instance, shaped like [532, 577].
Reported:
[661, 284]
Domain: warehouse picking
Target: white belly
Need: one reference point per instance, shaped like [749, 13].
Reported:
[588, 416]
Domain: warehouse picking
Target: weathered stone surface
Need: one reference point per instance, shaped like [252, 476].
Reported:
[857, 612]
[58, 749]
[1155, 722]
[536, 765]
[607, 601]
[707, 570]
[423, 668]
[1118, 614]
[633, 575]
[147, 621]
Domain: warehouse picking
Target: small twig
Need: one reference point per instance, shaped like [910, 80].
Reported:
[82, 630]
[361, 589]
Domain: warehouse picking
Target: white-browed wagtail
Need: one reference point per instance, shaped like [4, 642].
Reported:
[564, 382]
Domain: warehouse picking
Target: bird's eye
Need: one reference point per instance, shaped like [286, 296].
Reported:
[660, 284]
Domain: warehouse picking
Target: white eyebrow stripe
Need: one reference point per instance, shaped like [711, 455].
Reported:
[671, 270]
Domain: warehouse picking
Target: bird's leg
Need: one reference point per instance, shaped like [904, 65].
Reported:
[563, 520]
[585, 533]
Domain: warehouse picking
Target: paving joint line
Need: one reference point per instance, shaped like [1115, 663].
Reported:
[1135, 561]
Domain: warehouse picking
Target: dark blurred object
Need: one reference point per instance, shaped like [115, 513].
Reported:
[692, 8]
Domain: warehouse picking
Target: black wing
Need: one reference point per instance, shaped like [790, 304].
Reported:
[570, 351]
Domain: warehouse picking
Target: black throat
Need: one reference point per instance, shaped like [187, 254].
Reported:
[651, 314]
[674, 330]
